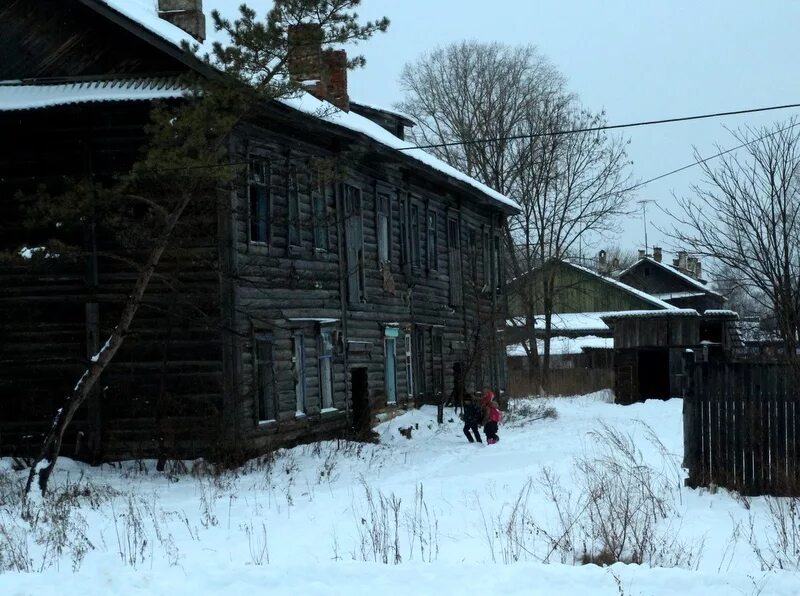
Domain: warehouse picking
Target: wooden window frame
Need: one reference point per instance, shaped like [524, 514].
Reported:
[319, 212]
[383, 227]
[354, 209]
[259, 211]
[299, 373]
[325, 353]
[294, 236]
[432, 240]
[266, 403]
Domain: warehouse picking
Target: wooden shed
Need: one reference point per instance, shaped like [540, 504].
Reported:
[650, 348]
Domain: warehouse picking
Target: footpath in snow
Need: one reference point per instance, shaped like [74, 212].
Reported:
[431, 514]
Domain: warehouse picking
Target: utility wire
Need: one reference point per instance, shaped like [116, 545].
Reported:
[570, 131]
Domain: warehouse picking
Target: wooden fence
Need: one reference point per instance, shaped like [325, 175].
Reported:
[742, 427]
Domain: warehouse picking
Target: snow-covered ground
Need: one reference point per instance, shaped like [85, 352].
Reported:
[447, 516]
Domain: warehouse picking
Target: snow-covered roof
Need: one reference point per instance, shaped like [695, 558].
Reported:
[15, 96]
[677, 295]
[560, 346]
[145, 13]
[390, 111]
[648, 314]
[721, 312]
[687, 278]
[573, 322]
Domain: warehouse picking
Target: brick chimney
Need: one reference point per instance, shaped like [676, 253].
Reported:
[681, 261]
[322, 73]
[657, 254]
[335, 67]
[186, 14]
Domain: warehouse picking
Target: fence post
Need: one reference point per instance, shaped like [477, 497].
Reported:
[690, 436]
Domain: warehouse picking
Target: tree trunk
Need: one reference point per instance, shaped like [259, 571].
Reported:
[45, 462]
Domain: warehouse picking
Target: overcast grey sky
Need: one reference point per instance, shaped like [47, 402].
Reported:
[638, 60]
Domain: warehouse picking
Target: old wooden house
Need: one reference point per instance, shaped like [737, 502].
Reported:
[301, 304]
[680, 284]
[581, 344]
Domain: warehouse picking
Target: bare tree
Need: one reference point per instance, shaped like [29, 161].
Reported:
[745, 214]
[498, 113]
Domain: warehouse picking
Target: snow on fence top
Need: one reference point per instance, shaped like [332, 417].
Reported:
[145, 13]
[15, 96]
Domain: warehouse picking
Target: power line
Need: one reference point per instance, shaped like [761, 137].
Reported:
[601, 128]
[710, 157]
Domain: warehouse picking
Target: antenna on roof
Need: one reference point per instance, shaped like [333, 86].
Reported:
[643, 203]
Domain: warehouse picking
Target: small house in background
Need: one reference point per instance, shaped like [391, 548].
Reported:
[680, 284]
[581, 341]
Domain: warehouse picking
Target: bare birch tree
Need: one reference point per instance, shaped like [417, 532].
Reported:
[745, 215]
[499, 114]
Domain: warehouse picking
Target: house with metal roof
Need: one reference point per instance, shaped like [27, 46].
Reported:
[306, 304]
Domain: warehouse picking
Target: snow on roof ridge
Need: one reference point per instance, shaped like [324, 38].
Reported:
[672, 269]
[144, 12]
[635, 314]
[623, 286]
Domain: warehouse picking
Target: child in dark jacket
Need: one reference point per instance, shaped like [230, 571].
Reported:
[472, 418]
[492, 417]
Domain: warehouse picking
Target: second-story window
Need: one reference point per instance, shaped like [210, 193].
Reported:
[294, 208]
[433, 241]
[486, 258]
[497, 269]
[354, 241]
[259, 200]
[416, 248]
[319, 211]
[454, 261]
[384, 232]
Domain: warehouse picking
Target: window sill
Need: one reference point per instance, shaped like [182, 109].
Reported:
[267, 423]
[299, 415]
[325, 411]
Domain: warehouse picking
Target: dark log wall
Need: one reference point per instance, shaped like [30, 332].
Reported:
[162, 392]
[280, 290]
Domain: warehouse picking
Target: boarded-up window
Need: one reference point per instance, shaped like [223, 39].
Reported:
[405, 247]
[294, 209]
[384, 229]
[472, 248]
[265, 379]
[433, 241]
[390, 369]
[299, 371]
[454, 262]
[325, 354]
[320, 211]
[354, 240]
[259, 200]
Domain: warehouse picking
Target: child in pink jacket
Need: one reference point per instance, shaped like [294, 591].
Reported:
[492, 418]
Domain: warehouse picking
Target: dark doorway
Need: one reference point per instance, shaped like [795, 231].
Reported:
[654, 374]
[360, 400]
